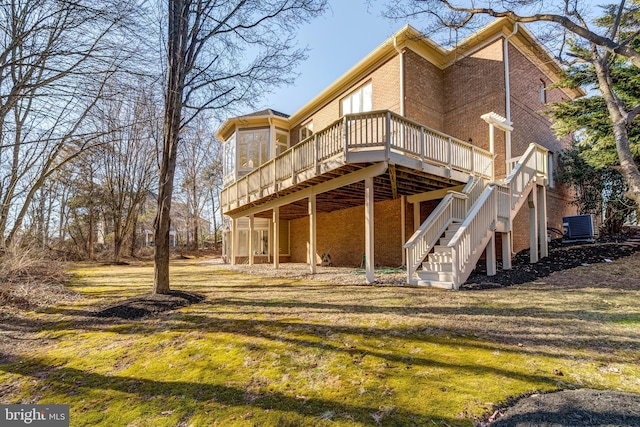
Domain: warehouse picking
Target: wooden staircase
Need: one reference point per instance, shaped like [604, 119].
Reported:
[446, 247]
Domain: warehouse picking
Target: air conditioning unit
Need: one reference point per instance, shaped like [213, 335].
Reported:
[580, 227]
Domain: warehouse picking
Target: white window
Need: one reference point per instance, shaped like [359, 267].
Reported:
[253, 149]
[260, 237]
[282, 142]
[229, 163]
[243, 243]
[359, 101]
[261, 242]
[306, 131]
[543, 92]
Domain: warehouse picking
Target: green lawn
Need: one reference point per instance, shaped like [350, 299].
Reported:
[277, 352]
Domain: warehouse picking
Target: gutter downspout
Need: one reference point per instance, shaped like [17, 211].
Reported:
[401, 56]
[507, 86]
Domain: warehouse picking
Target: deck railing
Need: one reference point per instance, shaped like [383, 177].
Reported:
[383, 131]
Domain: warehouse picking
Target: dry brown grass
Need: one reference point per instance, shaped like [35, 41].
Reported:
[29, 278]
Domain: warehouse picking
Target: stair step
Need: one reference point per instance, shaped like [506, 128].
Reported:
[446, 267]
[436, 284]
[450, 233]
[439, 258]
[442, 249]
[438, 276]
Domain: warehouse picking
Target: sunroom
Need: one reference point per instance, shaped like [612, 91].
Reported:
[251, 141]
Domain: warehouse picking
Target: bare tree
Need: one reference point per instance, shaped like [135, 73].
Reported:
[192, 161]
[212, 180]
[220, 55]
[127, 157]
[600, 42]
[55, 57]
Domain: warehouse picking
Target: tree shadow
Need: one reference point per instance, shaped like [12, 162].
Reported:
[65, 379]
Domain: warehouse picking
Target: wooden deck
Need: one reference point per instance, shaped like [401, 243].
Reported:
[403, 156]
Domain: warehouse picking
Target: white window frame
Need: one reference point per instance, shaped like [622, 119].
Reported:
[358, 101]
[260, 161]
[543, 92]
[305, 131]
[280, 146]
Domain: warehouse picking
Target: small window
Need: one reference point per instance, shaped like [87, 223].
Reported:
[306, 131]
[543, 92]
[359, 101]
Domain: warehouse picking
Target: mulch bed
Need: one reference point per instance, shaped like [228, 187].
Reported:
[562, 256]
[149, 304]
[584, 407]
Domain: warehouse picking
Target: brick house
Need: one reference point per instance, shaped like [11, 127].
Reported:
[418, 156]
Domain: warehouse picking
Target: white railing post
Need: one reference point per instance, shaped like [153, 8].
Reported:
[454, 268]
[293, 164]
[450, 154]
[409, 263]
[473, 156]
[316, 164]
[346, 138]
[423, 144]
[387, 148]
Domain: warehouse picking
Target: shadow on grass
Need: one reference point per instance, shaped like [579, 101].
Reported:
[210, 316]
[65, 380]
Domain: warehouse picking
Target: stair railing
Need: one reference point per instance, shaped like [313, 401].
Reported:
[453, 207]
[473, 234]
[532, 163]
[480, 223]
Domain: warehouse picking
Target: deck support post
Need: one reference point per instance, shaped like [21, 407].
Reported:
[251, 239]
[368, 228]
[491, 255]
[403, 228]
[542, 221]
[506, 251]
[276, 237]
[492, 149]
[234, 242]
[416, 216]
[533, 226]
[312, 233]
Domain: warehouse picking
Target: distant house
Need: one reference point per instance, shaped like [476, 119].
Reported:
[418, 156]
[181, 230]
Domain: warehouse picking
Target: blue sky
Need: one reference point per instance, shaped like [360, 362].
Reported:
[336, 41]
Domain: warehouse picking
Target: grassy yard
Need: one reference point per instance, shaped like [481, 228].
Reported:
[277, 352]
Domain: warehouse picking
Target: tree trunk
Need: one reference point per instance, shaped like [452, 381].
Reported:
[92, 220]
[134, 236]
[628, 167]
[177, 35]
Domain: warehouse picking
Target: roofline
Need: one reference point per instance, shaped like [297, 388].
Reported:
[411, 38]
[225, 129]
